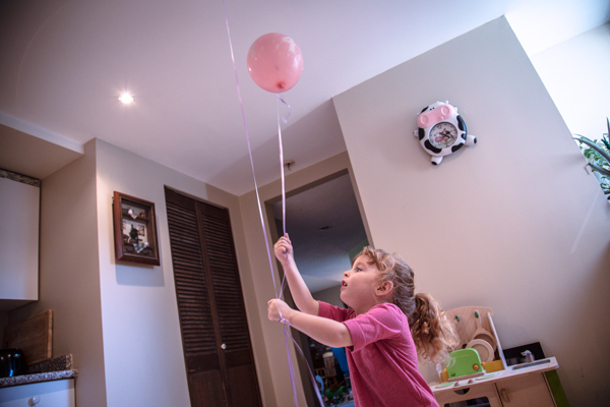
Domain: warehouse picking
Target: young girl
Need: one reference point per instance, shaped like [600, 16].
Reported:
[384, 331]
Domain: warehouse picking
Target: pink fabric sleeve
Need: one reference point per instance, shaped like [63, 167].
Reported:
[327, 310]
[383, 321]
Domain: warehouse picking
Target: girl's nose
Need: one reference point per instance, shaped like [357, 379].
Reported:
[345, 273]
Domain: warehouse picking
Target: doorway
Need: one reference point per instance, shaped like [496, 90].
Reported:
[326, 228]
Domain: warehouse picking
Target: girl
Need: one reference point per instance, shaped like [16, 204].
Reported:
[384, 331]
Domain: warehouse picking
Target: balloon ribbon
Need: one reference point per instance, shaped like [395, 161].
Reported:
[278, 294]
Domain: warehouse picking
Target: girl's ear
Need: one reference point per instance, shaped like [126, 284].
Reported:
[384, 288]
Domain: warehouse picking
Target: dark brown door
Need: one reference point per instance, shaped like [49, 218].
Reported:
[216, 341]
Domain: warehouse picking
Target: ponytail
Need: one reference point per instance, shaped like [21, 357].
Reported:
[433, 334]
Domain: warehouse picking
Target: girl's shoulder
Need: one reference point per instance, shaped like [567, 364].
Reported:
[386, 312]
[387, 307]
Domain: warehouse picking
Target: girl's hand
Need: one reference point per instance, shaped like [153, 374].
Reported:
[277, 309]
[283, 249]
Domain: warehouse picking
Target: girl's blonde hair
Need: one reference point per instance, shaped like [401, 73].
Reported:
[433, 334]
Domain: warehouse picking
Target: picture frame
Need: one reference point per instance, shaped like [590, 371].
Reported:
[135, 230]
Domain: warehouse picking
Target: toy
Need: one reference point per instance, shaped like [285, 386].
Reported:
[442, 131]
[464, 363]
[336, 396]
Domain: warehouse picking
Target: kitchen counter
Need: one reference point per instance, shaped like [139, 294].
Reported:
[508, 373]
[53, 369]
[523, 385]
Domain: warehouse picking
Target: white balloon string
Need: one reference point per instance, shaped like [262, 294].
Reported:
[243, 115]
[262, 220]
[282, 176]
[279, 137]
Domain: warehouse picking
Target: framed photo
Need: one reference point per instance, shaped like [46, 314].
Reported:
[135, 230]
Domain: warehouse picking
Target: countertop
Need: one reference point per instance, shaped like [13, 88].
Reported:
[509, 372]
[53, 369]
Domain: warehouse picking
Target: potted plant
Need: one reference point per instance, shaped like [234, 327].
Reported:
[597, 153]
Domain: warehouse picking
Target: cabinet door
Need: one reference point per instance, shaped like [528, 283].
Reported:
[480, 395]
[529, 390]
[215, 336]
[58, 393]
[19, 232]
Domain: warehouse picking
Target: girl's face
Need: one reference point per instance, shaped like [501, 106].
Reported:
[358, 286]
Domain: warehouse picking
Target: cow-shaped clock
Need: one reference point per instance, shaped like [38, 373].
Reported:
[442, 131]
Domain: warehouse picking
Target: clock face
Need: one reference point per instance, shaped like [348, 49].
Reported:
[443, 135]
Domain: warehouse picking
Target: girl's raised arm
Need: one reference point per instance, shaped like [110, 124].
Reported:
[324, 330]
[284, 252]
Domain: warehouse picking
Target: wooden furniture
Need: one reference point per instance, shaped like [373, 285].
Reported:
[518, 385]
[466, 325]
[215, 336]
[330, 372]
[514, 386]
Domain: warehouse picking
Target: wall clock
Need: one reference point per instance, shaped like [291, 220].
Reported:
[442, 131]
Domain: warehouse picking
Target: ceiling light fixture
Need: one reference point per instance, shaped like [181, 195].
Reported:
[126, 98]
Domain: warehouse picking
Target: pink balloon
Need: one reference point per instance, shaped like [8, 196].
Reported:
[275, 62]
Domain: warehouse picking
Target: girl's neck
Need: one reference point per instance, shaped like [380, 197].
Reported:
[366, 308]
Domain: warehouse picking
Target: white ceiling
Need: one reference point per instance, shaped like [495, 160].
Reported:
[63, 63]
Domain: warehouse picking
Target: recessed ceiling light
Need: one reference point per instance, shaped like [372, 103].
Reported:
[126, 98]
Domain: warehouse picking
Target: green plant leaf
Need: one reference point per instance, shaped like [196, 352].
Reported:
[599, 169]
[594, 146]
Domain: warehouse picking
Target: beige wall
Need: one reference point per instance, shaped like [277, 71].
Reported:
[261, 274]
[120, 321]
[69, 273]
[514, 223]
[143, 358]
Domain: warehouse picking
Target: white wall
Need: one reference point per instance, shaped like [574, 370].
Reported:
[514, 223]
[575, 73]
[143, 354]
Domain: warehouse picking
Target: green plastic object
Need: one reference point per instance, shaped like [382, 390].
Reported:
[464, 362]
[557, 389]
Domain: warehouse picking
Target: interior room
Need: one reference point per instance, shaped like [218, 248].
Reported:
[516, 225]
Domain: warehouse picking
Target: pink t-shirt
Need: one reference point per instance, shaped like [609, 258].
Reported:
[383, 360]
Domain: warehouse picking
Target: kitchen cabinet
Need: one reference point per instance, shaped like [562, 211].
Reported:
[515, 386]
[523, 391]
[460, 398]
[19, 231]
[58, 393]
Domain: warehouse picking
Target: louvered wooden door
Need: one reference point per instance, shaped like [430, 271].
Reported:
[215, 337]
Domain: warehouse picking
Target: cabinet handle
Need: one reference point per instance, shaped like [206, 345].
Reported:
[223, 346]
[504, 395]
[34, 400]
